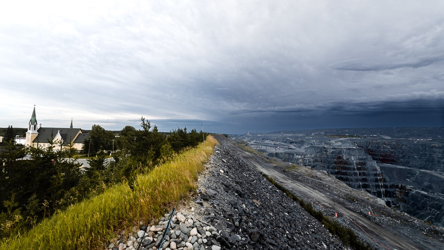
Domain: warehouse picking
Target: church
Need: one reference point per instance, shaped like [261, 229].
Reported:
[61, 138]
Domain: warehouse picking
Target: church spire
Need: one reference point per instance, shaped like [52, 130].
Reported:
[71, 124]
[33, 121]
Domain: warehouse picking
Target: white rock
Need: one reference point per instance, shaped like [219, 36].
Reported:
[325, 246]
[190, 222]
[190, 247]
[193, 232]
[215, 247]
[173, 245]
[141, 233]
[180, 217]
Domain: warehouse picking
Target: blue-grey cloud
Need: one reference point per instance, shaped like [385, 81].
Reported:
[412, 113]
[111, 62]
[376, 66]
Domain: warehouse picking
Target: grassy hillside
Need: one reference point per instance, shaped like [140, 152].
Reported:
[87, 225]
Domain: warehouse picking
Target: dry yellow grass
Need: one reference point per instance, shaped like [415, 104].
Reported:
[88, 224]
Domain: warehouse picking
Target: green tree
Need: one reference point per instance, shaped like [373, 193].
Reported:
[9, 134]
[178, 139]
[194, 138]
[166, 152]
[11, 220]
[126, 139]
[36, 188]
[98, 140]
[157, 141]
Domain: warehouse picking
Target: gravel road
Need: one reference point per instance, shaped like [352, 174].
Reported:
[246, 211]
[250, 212]
[378, 235]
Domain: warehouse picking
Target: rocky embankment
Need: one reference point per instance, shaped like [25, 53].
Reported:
[235, 208]
[406, 173]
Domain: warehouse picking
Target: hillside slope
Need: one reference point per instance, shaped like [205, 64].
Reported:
[245, 209]
[236, 207]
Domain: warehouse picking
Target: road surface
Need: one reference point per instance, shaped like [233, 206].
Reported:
[383, 237]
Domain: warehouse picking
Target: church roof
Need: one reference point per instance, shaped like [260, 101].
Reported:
[33, 120]
[81, 138]
[48, 134]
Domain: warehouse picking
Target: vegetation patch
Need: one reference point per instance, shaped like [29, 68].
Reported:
[347, 235]
[293, 167]
[244, 146]
[38, 182]
[88, 224]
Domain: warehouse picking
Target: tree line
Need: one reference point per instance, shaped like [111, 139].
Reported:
[50, 180]
[9, 133]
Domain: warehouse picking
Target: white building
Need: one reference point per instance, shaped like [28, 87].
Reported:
[60, 137]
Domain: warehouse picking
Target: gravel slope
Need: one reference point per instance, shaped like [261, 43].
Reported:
[235, 207]
[251, 213]
[383, 229]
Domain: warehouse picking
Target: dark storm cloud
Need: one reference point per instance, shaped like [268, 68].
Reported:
[233, 65]
[346, 115]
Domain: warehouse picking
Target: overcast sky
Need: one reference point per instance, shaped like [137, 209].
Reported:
[235, 66]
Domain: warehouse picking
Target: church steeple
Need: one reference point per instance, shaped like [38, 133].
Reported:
[71, 124]
[32, 129]
[33, 122]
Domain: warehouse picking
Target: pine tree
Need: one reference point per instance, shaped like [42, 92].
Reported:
[9, 134]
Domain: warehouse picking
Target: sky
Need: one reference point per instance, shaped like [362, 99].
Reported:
[230, 66]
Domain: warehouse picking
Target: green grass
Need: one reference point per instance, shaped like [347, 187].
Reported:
[293, 167]
[244, 145]
[91, 223]
[84, 156]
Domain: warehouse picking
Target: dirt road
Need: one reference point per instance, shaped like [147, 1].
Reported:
[381, 237]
